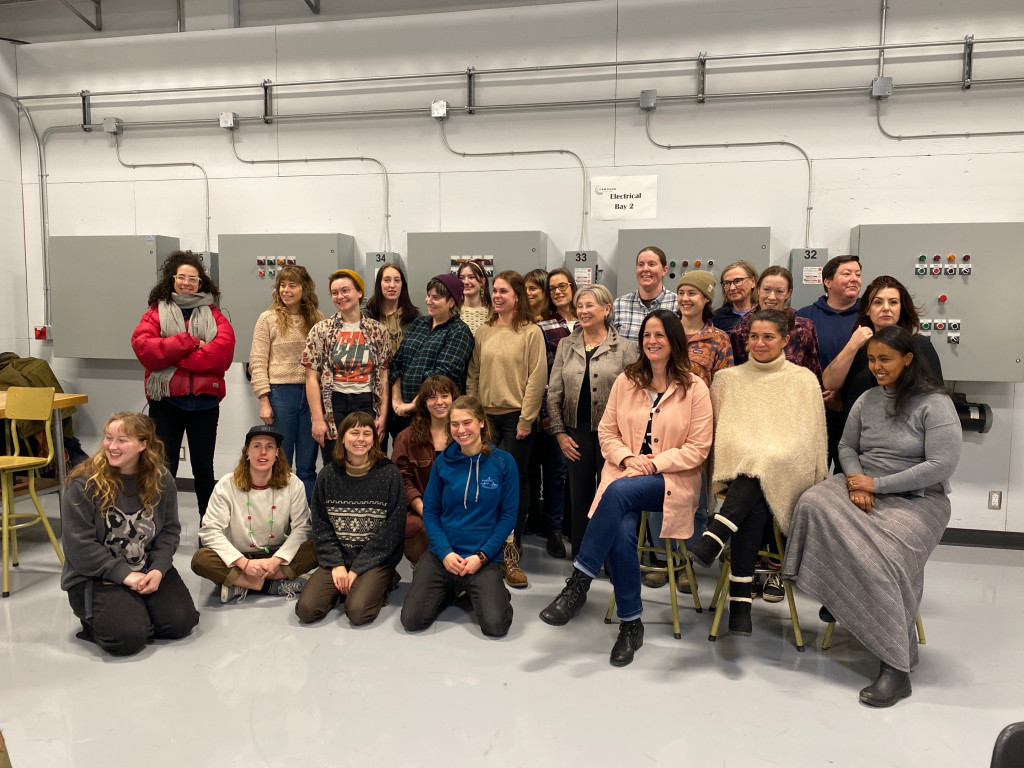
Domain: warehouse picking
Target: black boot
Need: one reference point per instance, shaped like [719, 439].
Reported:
[890, 686]
[569, 601]
[705, 551]
[555, 545]
[631, 637]
[739, 605]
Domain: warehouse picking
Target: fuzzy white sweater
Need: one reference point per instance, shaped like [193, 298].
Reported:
[769, 424]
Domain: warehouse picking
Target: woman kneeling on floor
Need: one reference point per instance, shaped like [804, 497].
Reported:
[358, 527]
[655, 434]
[770, 447]
[859, 541]
[120, 531]
[469, 509]
[256, 530]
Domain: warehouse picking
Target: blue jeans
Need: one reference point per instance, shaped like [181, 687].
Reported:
[291, 417]
[700, 519]
[611, 534]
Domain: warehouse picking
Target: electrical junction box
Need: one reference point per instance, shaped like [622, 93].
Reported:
[964, 279]
[708, 248]
[98, 291]
[806, 265]
[375, 262]
[249, 265]
[431, 253]
[585, 267]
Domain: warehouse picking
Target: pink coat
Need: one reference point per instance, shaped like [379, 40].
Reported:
[681, 436]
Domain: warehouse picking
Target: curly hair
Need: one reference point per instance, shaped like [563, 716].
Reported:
[309, 306]
[432, 385]
[165, 284]
[641, 374]
[103, 482]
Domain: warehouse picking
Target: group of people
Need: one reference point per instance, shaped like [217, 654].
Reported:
[648, 402]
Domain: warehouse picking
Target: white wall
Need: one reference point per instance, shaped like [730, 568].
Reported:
[860, 177]
[13, 289]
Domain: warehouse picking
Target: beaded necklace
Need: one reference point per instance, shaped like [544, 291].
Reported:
[270, 520]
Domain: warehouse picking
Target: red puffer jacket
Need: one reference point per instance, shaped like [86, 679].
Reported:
[199, 370]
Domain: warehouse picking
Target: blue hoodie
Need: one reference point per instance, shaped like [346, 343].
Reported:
[471, 502]
[834, 327]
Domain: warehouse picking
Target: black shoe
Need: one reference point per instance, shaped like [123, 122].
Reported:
[704, 551]
[631, 637]
[826, 615]
[890, 686]
[569, 601]
[555, 545]
[739, 618]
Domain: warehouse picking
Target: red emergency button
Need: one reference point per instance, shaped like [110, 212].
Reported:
[686, 263]
[942, 297]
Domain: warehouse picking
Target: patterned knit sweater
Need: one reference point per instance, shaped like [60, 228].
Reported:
[275, 357]
[359, 522]
[769, 424]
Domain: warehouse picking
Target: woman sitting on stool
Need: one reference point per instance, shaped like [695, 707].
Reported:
[358, 527]
[899, 449]
[469, 509]
[655, 435]
[769, 448]
[256, 531]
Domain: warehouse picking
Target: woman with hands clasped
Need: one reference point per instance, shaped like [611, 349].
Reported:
[469, 508]
[119, 518]
[655, 435]
[256, 531]
[358, 527]
[859, 541]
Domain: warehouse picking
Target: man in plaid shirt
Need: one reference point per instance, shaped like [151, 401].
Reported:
[631, 309]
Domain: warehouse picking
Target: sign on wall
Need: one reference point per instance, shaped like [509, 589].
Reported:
[623, 197]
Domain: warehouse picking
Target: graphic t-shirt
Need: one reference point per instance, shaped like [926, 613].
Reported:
[350, 360]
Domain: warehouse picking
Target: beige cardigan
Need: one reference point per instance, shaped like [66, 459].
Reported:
[769, 424]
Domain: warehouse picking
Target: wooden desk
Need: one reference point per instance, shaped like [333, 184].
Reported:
[60, 400]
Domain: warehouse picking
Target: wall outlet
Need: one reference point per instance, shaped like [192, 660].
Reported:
[182, 456]
[995, 499]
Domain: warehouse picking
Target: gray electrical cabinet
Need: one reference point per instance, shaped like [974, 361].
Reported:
[122, 268]
[709, 248]
[806, 265]
[249, 265]
[432, 253]
[964, 281]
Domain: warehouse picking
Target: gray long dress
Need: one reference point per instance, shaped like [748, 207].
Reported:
[869, 569]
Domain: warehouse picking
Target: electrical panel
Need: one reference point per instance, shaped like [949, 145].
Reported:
[98, 291]
[707, 248]
[431, 253]
[249, 266]
[375, 262]
[585, 266]
[964, 281]
[806, 265]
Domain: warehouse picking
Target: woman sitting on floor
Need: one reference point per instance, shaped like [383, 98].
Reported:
[256, 531]
[358, 527]
[769, 448]
[859, 541]
[469, 509]
[119, 517]
[416, 448]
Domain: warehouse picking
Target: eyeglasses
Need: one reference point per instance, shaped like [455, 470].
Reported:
[343, 292]
[734, 283]
[186, 279]
[560, 288]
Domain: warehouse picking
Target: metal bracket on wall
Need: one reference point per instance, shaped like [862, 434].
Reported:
[268, 103]
[98, 9]
[86, 111]
[314, 5]
[470, 91]
[968, 61]
[702, 77]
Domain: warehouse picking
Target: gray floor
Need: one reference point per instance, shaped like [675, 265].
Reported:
[252, 688]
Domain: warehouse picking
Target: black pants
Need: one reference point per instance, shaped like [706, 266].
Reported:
[173, 423]
[746, 508]
[505, 438]
[121, 621]
[433, 590]
[343, 405]
[834, 423]
[583, 478]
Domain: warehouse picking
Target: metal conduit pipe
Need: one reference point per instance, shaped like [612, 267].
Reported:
[512, 153]
[117, 153]
[386, 238]
[730, 144]
[960, 135]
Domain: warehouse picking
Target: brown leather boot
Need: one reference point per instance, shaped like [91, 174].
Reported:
[510, 569]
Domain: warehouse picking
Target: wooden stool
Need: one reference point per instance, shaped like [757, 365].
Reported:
[827, 642]
[670, 568]
[718, 604]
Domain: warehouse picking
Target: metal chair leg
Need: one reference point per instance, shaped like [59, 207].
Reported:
[827, 642]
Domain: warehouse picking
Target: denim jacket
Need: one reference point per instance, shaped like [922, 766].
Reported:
[614, 354]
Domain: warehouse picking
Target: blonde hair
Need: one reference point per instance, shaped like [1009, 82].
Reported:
[104, 484]
[309, 307]
[243, 471]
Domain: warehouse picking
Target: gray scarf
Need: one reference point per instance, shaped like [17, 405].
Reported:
[201, 324]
